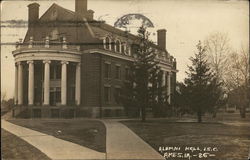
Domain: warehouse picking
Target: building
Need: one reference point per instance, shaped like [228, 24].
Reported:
[72, 65]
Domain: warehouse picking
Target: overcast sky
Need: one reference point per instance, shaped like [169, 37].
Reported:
[186, 21]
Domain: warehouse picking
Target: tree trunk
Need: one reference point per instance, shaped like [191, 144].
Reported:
[199, 116]
[214, 114]
[215, 111]
[243, 112]
[143, 114]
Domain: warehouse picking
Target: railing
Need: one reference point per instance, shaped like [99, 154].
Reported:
[49, 44]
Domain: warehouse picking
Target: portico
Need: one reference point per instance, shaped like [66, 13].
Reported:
[49, 77]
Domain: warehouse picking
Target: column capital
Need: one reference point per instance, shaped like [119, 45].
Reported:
[64, 62]
[18, 63]
[46, 61]
[28, 62]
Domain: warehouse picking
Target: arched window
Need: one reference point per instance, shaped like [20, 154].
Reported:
[113, 46]
[118, 46]
[123, 48]
[107, 42]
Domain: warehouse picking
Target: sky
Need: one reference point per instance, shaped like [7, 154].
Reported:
[186, 22]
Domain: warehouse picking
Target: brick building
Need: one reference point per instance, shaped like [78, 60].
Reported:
[72, 65]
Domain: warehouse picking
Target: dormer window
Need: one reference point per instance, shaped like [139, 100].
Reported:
[54, 34]
[107, 43]
[123, 48]
[113, 46]
[118, 46]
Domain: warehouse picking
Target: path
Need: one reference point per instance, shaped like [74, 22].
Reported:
[53, 147]
[122, 143]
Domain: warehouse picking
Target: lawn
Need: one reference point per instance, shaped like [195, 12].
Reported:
[232, 142]
[15, 148]
[88, 133]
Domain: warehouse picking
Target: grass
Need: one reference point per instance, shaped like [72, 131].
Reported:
[88, 133]
[233, 142]
[14, 148]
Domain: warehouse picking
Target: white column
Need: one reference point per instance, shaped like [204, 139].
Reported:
[16, 84]
[46, 82]
[64, 83]
[78, 84]
[169, 87]
[20, 84]
[163, 78]
[31, 83]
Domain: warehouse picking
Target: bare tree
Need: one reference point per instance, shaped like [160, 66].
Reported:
[217, 48]
[237, 78]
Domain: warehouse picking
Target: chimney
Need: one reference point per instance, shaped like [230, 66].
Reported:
[90, 15]
[161, 38]
[33, 13]
[81, 7]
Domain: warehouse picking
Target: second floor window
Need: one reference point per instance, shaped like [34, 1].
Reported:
[55, 72]
[123, 49]
[107, 70]
[118, 72]
[117, 43]
[126, 73]
[107, 42]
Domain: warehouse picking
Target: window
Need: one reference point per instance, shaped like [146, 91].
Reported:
[52, 72]
[117, 94]
[126, 73]
[117, 44]
[58, 72]
[112, 46]
[118, 72]
[123, 49]
[107, 94]
[55, 72]
[107, 42]
[54, 34]
[107, 70]
[58, 94]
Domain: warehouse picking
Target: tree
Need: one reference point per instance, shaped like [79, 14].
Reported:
[237, 79]
[128, 95]
[180, 100]
[158, 95]
[140, 92]
[201, 84]
[217, 50]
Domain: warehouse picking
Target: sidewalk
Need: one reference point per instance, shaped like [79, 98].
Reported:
[53, 147]
[122, 143]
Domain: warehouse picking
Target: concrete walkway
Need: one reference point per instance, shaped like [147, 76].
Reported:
[122, 143]
[53, 147]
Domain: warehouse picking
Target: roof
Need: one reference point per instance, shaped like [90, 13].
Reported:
[88, 32]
